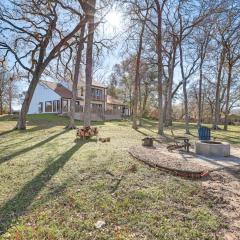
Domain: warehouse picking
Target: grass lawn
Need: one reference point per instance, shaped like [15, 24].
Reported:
[53, 187]
[232, 135]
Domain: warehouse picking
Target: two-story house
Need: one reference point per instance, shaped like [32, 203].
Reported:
[55, 98]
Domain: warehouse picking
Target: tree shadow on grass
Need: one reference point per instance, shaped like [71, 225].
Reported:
[29, 130]
[16, 206]
[14, 144]
[166, 138]
[143, 133]
[25, 150]
[6, 132]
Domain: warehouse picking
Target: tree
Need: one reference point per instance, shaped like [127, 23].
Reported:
[187, 25]
[90, 11]
[43, 31]
[80, 47]
[137, 82]
[3, 84]
[202, 42]
[159, 40]
[232, 57]
[124, 80]
[8, 90]
[171, 55]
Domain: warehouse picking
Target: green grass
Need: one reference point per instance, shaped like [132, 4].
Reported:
[53, 187]
[232, 135]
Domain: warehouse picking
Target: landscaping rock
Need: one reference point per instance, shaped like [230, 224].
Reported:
[99, 224]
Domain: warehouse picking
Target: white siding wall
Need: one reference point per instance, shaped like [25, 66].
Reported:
[42, 94]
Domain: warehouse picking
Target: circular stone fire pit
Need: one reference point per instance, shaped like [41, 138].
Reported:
[212, 148]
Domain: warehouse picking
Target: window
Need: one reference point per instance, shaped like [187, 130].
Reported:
[40, 107]
[78, 107]
[97, 93]
[48, 106]
[65, 105]
[81, 91]
[56, 106]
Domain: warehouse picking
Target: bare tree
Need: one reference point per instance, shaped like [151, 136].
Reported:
[44, 33]
[137, 82]
[172, 56]
[186, 74]
[232, 57]
[80, 47]
[159, 43]
[203, 42]
[90, 11]
[187, 25]
[218, 85]
[3, 85]
[11, 92]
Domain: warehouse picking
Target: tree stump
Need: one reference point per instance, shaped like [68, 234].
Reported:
[147, 142]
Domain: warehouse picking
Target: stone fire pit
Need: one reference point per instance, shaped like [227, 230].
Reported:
[212, 148]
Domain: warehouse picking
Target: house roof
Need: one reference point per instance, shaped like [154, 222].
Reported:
[94, 83]
[97, 84]
[114, 101]
[59, 89]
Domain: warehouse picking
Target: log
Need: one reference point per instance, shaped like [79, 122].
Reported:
[87, 132]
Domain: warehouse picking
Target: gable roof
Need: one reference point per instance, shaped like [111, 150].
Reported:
[97, 84]
[94, 83]
[59, 89]
[114, 101]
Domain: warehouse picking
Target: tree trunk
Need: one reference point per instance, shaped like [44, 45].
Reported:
[21, 125]
[186, 107]
[75, 80]
[202, 107]
[89, 64]
[160, 67]
[1, 96]
[217, 96]
[140, 108]
[171, 76]
[41, 65]
[165, 95]
[10, 95]
[145, 98]
[136, 92]
[228, 97]
[131, 101]
[200, 95]
[186, 114]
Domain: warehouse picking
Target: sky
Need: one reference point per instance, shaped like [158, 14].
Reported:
[113, 28]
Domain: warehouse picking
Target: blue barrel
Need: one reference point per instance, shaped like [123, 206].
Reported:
[204, 133]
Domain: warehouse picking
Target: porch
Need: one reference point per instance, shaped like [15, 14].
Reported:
[98, 115]
[98, 112]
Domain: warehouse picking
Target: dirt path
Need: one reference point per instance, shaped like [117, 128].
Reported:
[224, 187]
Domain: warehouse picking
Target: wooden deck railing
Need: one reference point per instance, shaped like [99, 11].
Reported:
[97, 98]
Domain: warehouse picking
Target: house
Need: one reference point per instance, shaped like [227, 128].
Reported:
[115, 105]
[51, 97]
